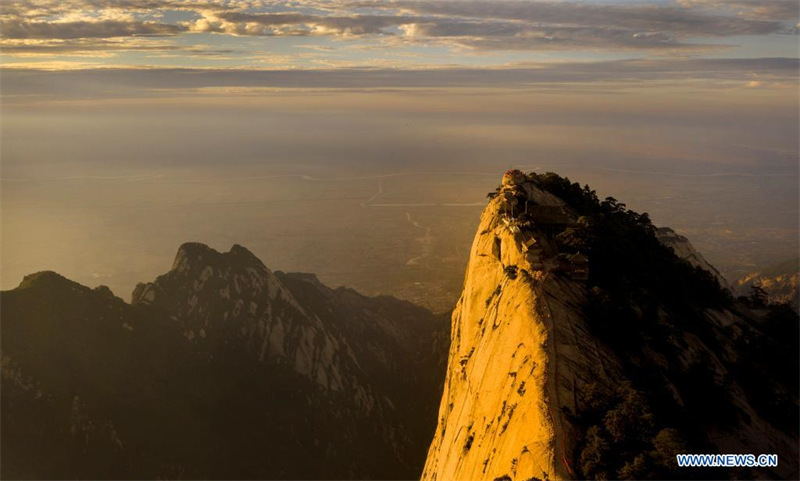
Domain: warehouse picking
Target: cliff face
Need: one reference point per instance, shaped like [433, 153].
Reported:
[232, 301]
[561, 368]
[518, 342]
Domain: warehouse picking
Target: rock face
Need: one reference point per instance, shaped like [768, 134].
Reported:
[232, 301]
[686, 251]
[221, 369]
[519, 347]
[559, 370]
[781, 282]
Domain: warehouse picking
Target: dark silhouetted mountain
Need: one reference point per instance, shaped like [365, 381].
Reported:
[218, 369]
[686, 251]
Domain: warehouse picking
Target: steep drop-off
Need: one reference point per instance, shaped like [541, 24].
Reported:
[515, 323]
[583, 347]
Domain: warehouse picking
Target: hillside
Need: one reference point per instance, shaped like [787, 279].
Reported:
[686, 251]
[218, 369]
[582, 347]
[587, 343]
[781, 282]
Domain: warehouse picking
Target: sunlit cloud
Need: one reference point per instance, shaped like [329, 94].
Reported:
[635, 18]
[680, 27]
[86, 29]
[107, 47]
[780, 10]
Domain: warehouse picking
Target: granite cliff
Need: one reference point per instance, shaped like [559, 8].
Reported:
[582, 347]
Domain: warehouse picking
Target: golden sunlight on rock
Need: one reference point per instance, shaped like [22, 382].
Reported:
[500, 413]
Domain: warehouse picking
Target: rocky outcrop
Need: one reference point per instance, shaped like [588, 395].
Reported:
[686, 251]
[781, 283]
[546, 378]
[519, 350]
[233, 301]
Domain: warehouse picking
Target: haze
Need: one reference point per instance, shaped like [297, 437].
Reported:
[357, 140]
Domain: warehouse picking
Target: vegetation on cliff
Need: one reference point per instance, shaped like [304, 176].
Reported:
[652, 308]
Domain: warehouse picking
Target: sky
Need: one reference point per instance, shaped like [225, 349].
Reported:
[121, 118]
[401, 34]
[81, 49]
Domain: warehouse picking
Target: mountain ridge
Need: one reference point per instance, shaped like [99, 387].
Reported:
[235, 396]
[582, 346]
[686, 251]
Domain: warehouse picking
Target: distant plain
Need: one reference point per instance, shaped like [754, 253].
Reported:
[395, 228]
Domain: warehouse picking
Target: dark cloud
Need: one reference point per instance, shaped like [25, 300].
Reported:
[510, 25]
[37, 9]
[502, 25]
[634, 18]
[94, 46]
[10, 29]
[153, 82]
[779, 10]
[516, 36]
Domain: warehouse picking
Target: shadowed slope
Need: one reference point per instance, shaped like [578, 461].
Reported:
[219, 369]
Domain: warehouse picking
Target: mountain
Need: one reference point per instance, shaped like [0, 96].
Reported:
[583, 347]
[781, 282]
[219, 368]
[587, 343]
[686, 251]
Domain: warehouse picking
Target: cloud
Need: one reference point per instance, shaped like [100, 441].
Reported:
[497, 25]
[47, 9]
[636, 18]
[115, 82]
[504, 25]
[515, 36]
[83, 47]
[85, 29]
[777, 10]
[243, 23]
